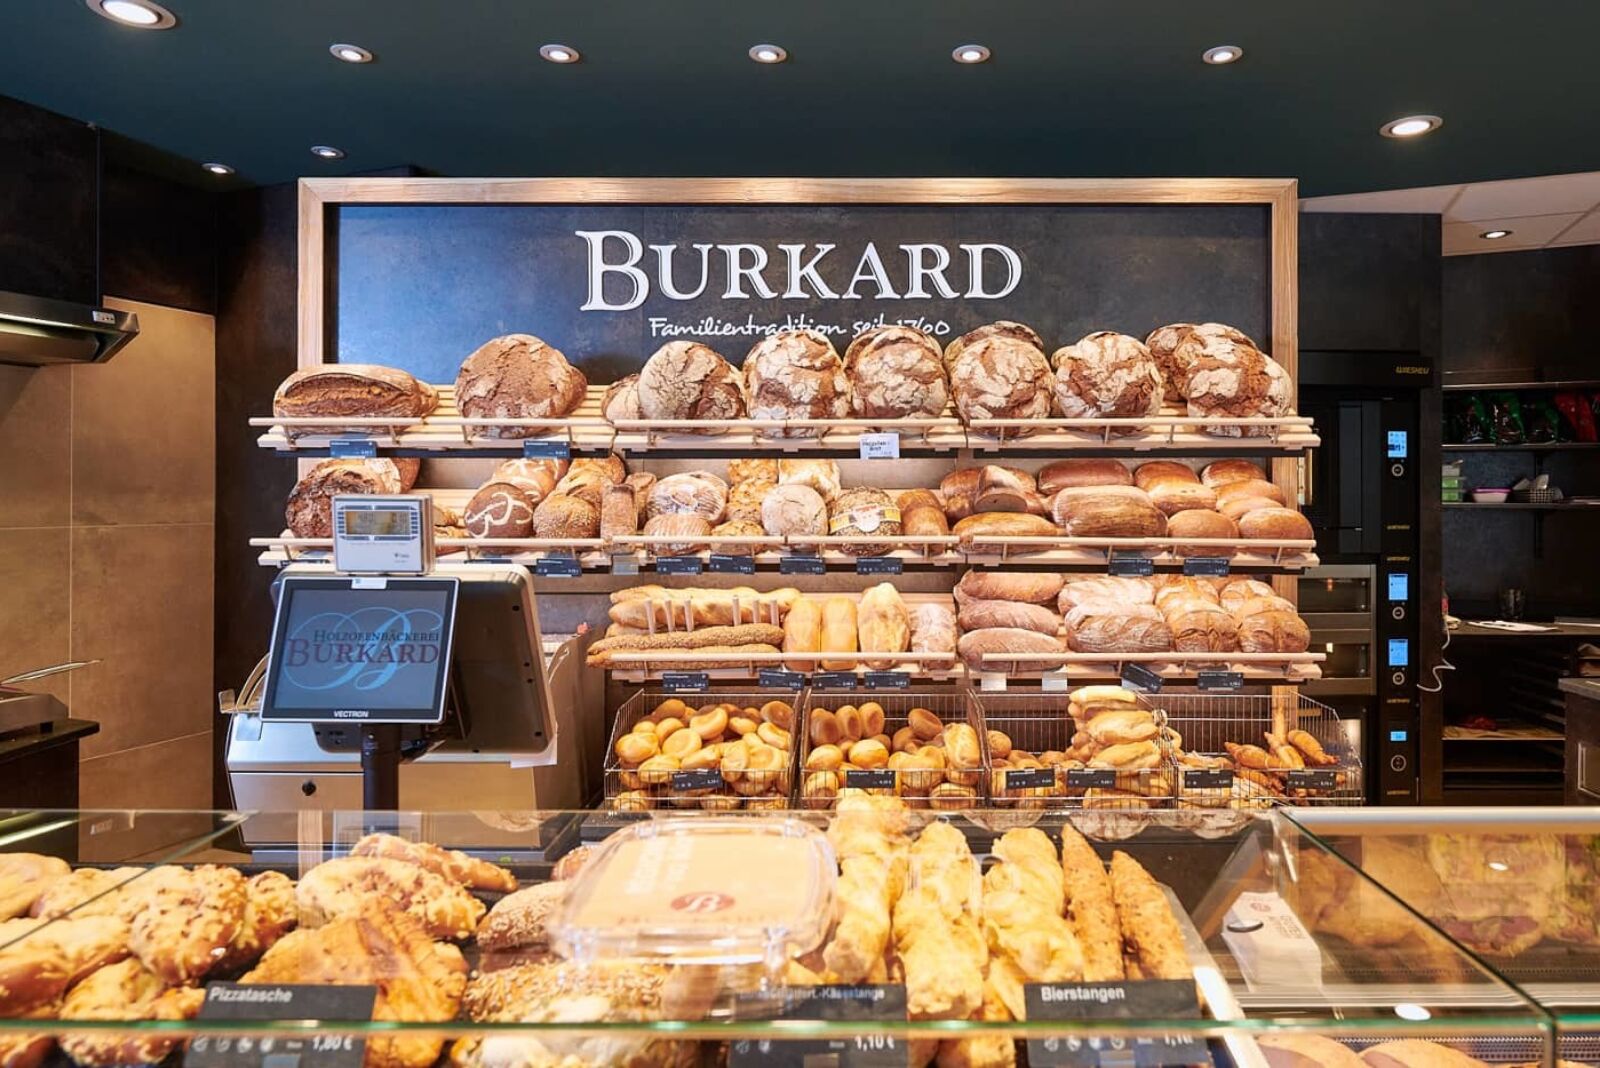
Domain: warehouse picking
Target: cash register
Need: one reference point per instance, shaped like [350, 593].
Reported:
[397, 681]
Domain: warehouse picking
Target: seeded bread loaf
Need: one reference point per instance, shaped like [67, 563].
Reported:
[518, 376]
[562, 515]
[860, 512]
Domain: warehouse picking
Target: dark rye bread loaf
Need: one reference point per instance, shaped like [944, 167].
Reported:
[350, 389]
[687, 380]
[518, 376]
[309, 513]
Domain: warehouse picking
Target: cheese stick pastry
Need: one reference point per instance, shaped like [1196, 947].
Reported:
[1148, 927]
[1090, 908]
[936, 931]
[871, 846]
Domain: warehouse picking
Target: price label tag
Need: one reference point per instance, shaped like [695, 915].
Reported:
[624, 564]
[685, 681]
[834, 680]
[353, 448]
[1133, 999]
[534, 449]
[862, 1003]
[1207, 778]
[1030, 778]
[879, 565]
[880, 446]
[1139, 678]
[1131, 565]
[1214, 680]
[288, 1001]
[557, 567]
[679, 565]
[726, 564]
[1313, 779]
[801, 564]
[1055, 681]
[869, 778]
[1206, 566]
[779, 679]
[992, 681]
[697, 779]
[887, 680]
[1091, 778]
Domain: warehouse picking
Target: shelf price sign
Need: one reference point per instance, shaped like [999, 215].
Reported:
[1133, 999]
[863, 1003]
[284, 1001]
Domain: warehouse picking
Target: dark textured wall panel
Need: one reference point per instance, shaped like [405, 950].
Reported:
[421, 287]
[49, 182]
[1521, 315]
[159, 240]
[1360, 280]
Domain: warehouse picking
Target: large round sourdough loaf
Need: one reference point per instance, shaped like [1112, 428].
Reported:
[795, 374]
[896, 372]
[518, 376]
[309, 511]
[687, 380]
[1107, 375]
[1001, 377]
[998, 328]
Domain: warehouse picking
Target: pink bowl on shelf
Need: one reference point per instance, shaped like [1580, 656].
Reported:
[1490, 496]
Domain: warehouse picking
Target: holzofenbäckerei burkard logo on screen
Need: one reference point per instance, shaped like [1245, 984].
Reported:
[746, 271]
[361, 650]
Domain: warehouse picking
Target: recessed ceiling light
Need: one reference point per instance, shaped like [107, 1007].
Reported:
[768, 53]
[559, 53]
[1411, 126]
[142, 14]
[1223, 54]
[970, 53]
[350, 53]
[327, 152]
[1495, 235]
[217, 168]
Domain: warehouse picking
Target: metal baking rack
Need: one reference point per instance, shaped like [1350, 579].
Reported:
[1170, 432]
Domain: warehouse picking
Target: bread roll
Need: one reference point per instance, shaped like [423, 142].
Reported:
[690, 493]
[1004, 489]
[820, 475]
[860, 512]
[1273, 632]
[1173, 497]
[839, 634]
[309, 511]
[1221, 472]
[1001, 378]
[687, 525]
[795, 374]
[1162, 342]
[562, 515]
[1152, 472]
[999, 328]
[351, 389]
[621, 400]
[978, 615]
[500, 510]
[1306, 1051]
[1239, 506]
[1196, 523]
[687, 380]
[1283, 523]
[1415, 1053]
[1138, 629]
[746, 498]
[1006, 524]
[1102, 589]
[752, 469]
[1254, 487]
[974, 644]
[1022, 586]
[882, 623]
[1198, 628]
[933, 630]
[518, 376]
[896, 372]
[536, 478]
[1107, 375]
[802, 632]
[1064, 474]
[794, 511]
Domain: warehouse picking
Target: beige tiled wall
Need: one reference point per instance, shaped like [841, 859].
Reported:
[107, 503]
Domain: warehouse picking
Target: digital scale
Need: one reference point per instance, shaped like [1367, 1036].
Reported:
[383, 535]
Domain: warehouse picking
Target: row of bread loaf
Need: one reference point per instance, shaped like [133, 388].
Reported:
[997, 371]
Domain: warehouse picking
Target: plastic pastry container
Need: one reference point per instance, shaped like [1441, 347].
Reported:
[722, 891]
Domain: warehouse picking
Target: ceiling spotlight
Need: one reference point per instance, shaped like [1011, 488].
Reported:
[768, 53]
[350, 53]
[1495, 235]
[1411, 126]
[142, 14]
[327, 152]
[970, 53]
[218, 168]
[1223, 54]
[559, 53]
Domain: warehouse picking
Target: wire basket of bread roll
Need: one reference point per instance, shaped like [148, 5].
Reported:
[1097, 747]
[1258, 750]
[719, 751]
[926, 747]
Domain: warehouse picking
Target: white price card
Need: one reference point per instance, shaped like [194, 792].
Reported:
[880, 446]
[992, 681]
[1055, 681]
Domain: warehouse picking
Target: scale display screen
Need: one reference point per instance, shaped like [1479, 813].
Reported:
[362, 650]
[380, 522]
[1399, 585]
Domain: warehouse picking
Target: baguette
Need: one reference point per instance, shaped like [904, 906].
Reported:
[839, 633]
[744, 634]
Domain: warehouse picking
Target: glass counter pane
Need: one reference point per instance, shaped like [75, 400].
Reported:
[1163, 937]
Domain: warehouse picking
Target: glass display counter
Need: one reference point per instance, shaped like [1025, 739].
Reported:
[870, 934]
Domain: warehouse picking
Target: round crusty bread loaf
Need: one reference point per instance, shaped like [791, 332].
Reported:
[1107, 375]
[1162, 342]
[795, 374]
[562, 515]
[687, 525]
[309, 511]
[689, 493]
[536, 478]
[1203, 340]
[351, 389]
[745, 500]
[1001, 377]
[1255, 387]
[499, 510]
[1201, 523]
[998, 328]
[518, 376]
[1275, 523]
[1202, 628]
[688, 380]
[821, 475]
[864, 511]
[1253, 487]
[896, 372]
[621, 400]
[793, 510]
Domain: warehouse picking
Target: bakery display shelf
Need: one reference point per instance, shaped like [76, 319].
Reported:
[913, 553]
[1507, 731]
[1282, 669]
[442, 431]
[1537, 446]
[734, 666]
[936, 435]
[1171, 432]
[1095, 554]
[287, 549]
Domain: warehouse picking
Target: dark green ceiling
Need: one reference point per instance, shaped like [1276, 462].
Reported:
[1076, 87]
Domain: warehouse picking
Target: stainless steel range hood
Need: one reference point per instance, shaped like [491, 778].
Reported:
[37, 332]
